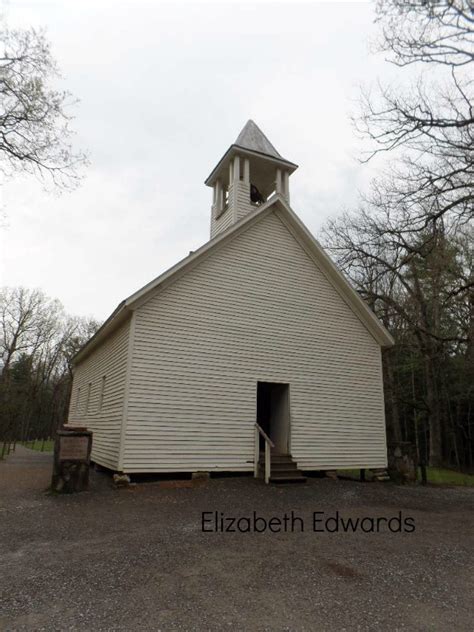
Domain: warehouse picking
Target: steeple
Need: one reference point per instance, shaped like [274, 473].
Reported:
[247, 175]
[252, 137]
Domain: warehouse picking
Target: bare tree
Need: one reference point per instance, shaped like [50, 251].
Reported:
[35, 133]
[420, 284]
[37, 342]
[27, 320]
[429, 125]
[427, 31]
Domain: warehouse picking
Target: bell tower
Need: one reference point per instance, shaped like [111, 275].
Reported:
[247, 175]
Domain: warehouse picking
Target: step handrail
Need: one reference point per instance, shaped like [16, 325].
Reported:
[268, 444]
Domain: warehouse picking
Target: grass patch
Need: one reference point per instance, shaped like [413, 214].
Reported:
[434, 475]
[442, 476]
[39, 445]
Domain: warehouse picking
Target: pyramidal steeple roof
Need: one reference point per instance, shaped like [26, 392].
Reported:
[252, 137]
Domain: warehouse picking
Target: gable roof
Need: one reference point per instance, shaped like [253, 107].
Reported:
[300, 233]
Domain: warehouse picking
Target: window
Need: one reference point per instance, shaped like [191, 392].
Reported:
[88, 400]
[102, 391]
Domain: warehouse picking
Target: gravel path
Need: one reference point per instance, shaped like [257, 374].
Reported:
[137, 559]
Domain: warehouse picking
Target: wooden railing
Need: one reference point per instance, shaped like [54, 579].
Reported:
[268, 445]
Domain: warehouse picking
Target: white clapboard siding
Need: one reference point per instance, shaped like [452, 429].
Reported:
[109, 360]
[242, 204]
[222, 222]
[256, 309]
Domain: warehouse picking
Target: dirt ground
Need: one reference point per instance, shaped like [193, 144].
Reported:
[138, 559]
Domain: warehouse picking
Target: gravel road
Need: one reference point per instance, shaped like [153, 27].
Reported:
[138, 559]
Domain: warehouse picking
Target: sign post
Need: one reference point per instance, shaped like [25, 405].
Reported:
[72, 451]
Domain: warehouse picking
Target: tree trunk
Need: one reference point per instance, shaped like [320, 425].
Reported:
[393, 418]
[434, 417]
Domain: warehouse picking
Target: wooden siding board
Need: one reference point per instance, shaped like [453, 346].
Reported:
[222, 222]
[109, 359]
[257, 309]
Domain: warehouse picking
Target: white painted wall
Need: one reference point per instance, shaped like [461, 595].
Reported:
[222, 222]
[109, 360]
[237, 207]
[257, 309]
[240, 200]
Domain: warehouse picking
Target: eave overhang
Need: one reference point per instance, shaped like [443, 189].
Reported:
[116, 318]
[242, 151]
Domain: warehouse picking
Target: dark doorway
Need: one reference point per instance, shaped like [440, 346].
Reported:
[273, 414]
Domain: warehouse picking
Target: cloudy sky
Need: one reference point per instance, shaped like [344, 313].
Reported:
[164, 89]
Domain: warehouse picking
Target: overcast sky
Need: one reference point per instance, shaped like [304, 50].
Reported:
[164, 89]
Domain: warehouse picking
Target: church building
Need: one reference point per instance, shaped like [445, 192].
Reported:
[252, 354]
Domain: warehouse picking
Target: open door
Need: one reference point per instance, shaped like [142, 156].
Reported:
[273, 414]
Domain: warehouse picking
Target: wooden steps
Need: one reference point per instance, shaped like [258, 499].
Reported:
[283, 469]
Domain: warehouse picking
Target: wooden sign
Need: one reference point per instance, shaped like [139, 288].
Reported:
[73, 448]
